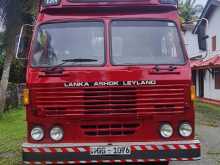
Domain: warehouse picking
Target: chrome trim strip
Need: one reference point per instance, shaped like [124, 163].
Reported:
[26, 145]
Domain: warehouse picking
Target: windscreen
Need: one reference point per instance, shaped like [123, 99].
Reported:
[57, 42]
[145, 42]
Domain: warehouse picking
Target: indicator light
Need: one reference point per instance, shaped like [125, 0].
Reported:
[26, 99]
[193, 93]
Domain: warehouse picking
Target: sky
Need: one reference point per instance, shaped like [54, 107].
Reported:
[202, 2]
[1, 23]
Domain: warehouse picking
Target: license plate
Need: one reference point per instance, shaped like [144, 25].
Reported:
[110, 150]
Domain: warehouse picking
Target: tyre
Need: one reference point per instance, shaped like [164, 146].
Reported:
[159, 163]
[162, 163]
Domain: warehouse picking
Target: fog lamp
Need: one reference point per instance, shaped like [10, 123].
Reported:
[37, 133]
[166, 130]
[185, 130]
[56, 133]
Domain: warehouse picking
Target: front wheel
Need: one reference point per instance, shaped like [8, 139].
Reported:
[162, 163]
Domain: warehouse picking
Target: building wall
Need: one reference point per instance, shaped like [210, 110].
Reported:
[191, 43]
[209, 87]
[214, 30]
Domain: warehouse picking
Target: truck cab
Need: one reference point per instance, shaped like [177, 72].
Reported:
[108, 81]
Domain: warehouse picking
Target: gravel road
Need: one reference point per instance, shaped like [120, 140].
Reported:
[208, 132]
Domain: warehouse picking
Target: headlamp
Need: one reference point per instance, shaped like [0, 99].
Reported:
[56, 133]
[185, 130]
[166, 130]
[37, 133]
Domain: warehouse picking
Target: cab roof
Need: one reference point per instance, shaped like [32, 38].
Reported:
[60, 4]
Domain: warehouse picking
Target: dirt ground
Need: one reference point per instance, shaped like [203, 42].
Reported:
[208, 131]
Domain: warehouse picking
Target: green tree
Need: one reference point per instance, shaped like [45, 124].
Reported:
[189, 10]
[16, 14]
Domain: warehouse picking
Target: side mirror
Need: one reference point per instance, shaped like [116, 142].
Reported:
[202, 42]
[23, 41]
[202, 38]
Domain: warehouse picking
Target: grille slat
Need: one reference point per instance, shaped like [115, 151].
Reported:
[109, 100]
[66, 111]
[118, 97]
[104, 100]
[152, 91]
[110, 104]
[78, 104]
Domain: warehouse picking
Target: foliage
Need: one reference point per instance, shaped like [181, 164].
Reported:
[1, 43]
[189, 10]
[25, 11]
[16, 13]
[17, 72]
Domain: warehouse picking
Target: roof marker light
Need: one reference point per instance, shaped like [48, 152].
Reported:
[51, 2]
[173, 2]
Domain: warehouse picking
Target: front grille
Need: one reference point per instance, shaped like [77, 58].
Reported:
[60, 101]
[116, 129]
[110, 101]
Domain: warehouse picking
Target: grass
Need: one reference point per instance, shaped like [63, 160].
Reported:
[13, 131]
[210, 114]
[12, 134]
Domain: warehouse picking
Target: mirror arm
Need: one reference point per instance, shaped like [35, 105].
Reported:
[19, 41]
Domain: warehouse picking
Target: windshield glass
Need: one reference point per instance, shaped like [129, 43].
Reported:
[56, 42]
[145, 42]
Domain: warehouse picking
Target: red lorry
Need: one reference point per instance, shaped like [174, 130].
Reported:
[108, 81]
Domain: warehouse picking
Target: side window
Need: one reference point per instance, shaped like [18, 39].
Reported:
[217, 78]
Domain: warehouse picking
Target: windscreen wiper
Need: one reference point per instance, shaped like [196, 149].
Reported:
[170, 68]
[75, 60]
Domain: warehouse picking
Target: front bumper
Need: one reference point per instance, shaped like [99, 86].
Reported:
[80, 153]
